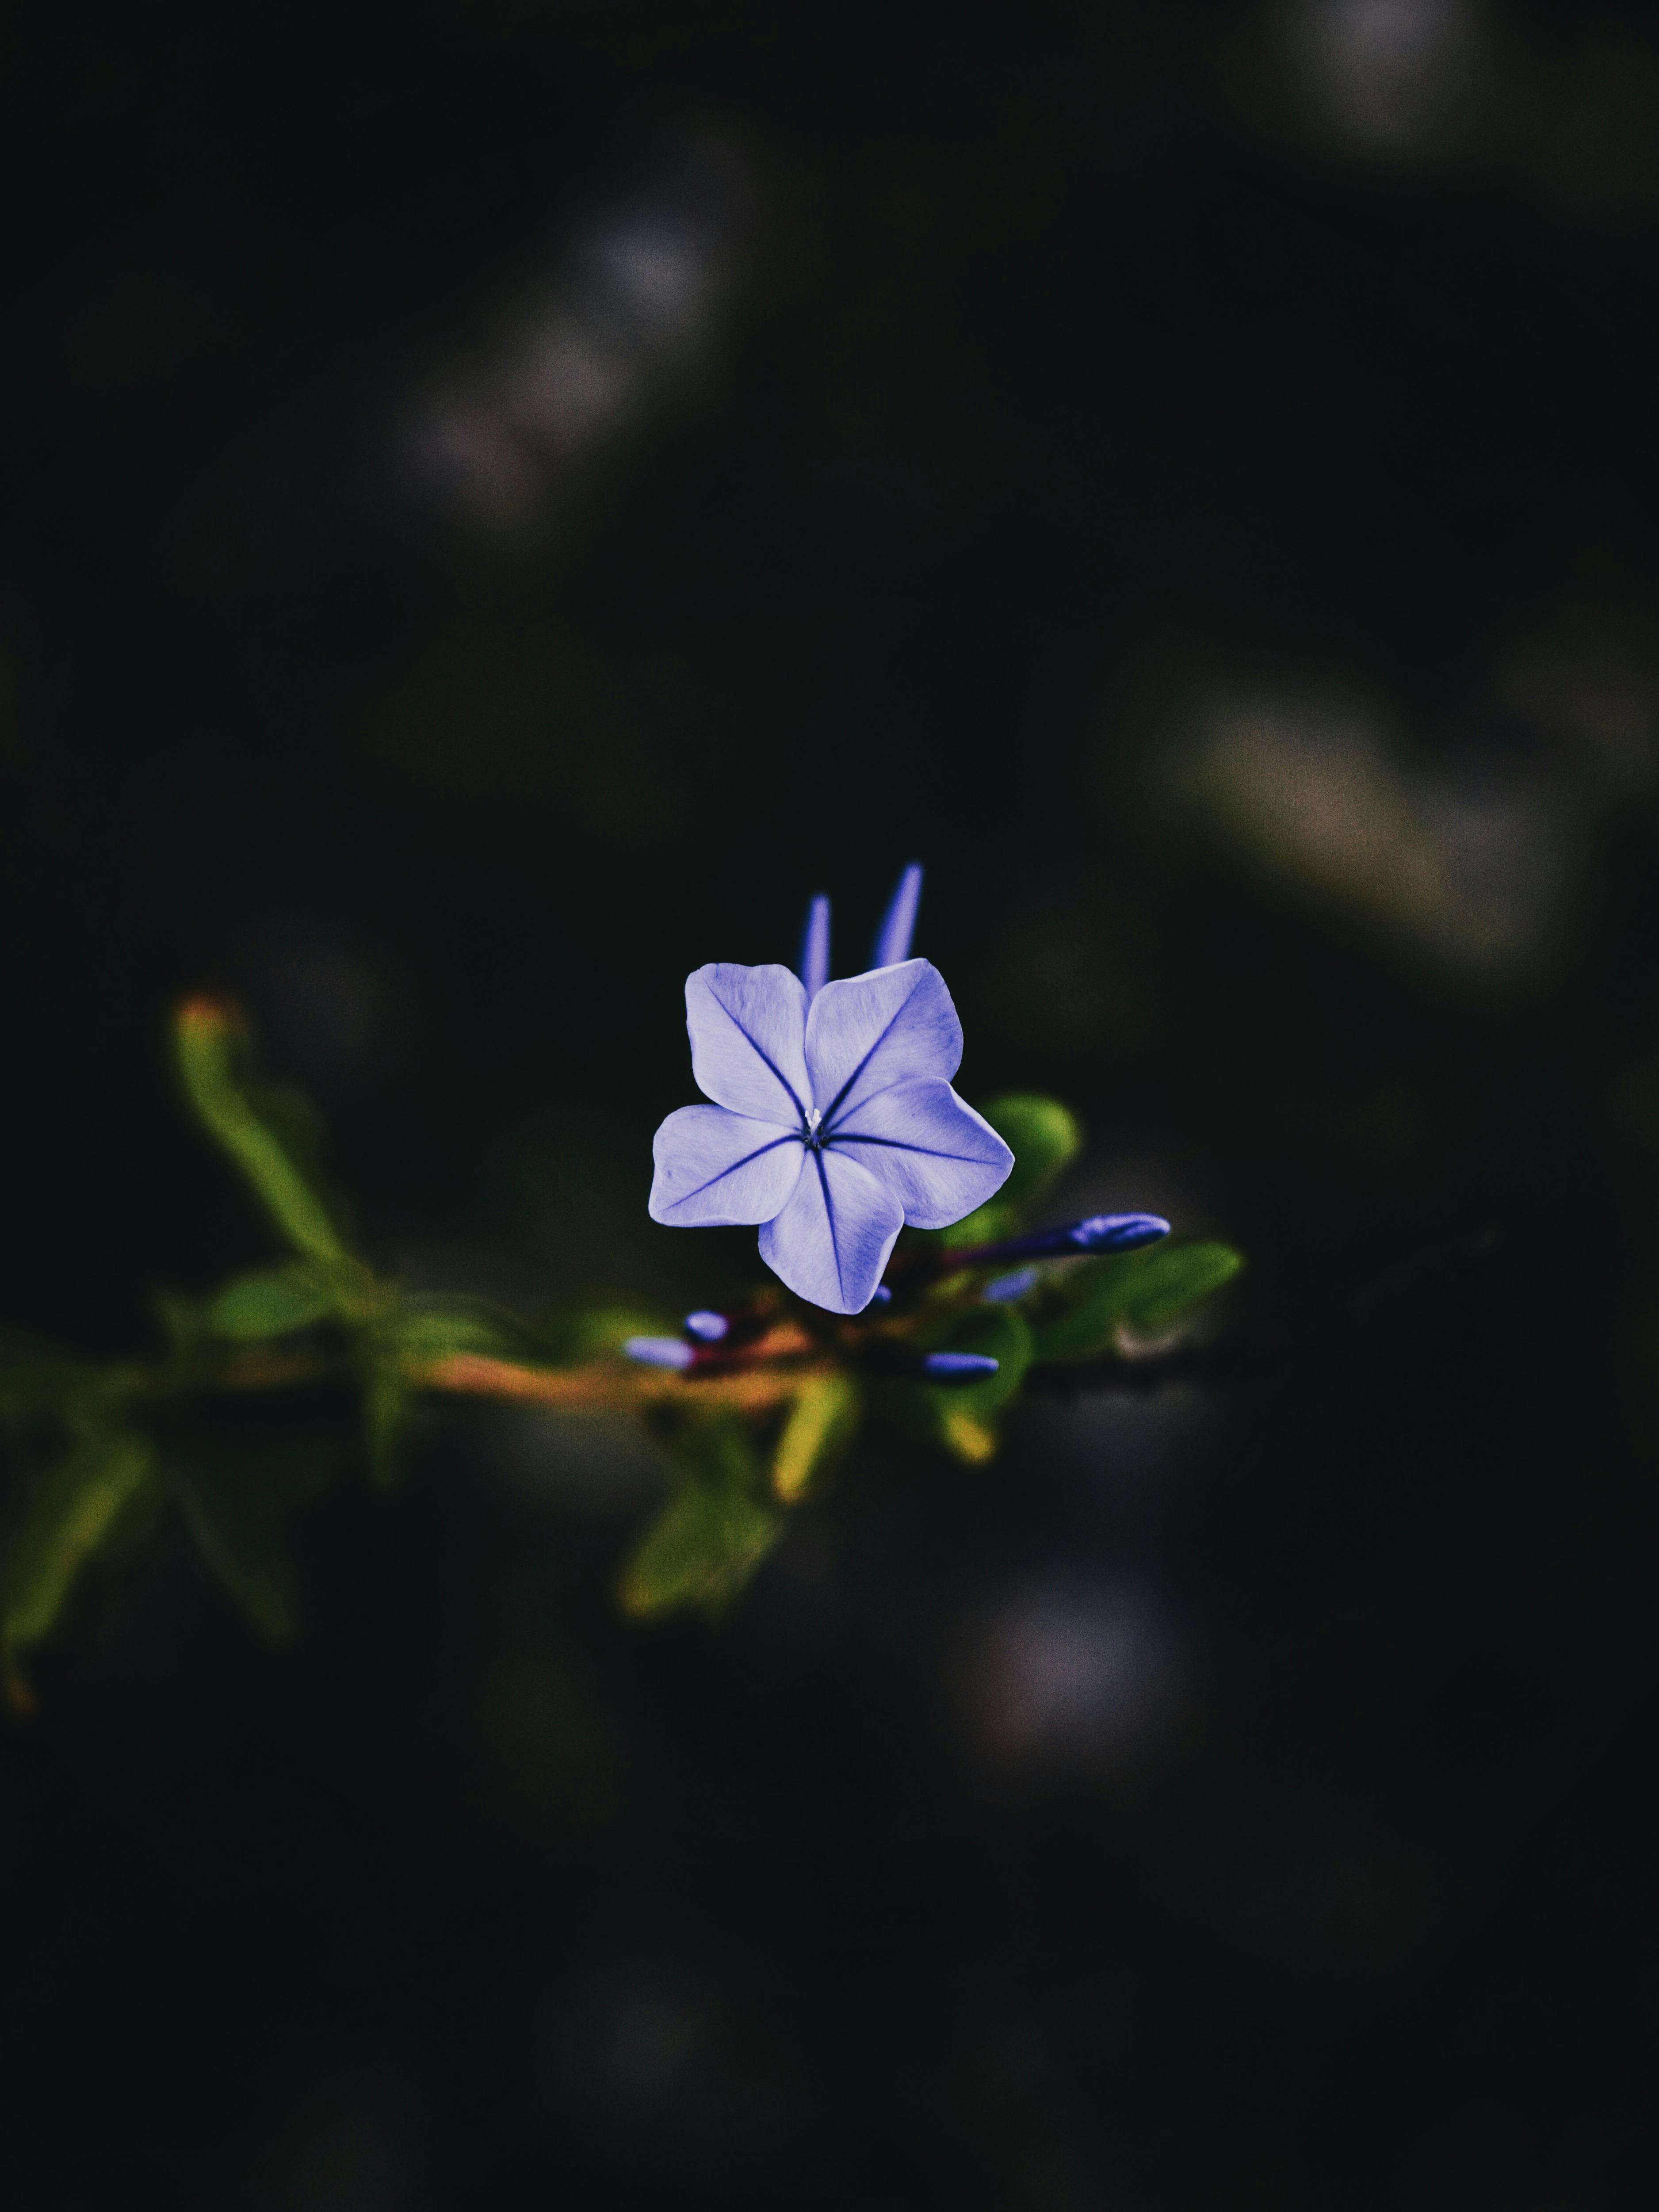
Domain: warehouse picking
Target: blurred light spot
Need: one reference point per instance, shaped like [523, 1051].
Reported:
[1467, 865]
[575, 359]
[1077, 1676]
[1383, 73]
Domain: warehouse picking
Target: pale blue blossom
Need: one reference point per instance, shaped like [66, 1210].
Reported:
[832, 1122]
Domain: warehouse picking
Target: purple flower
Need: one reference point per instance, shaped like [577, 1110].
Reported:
[833, 1122]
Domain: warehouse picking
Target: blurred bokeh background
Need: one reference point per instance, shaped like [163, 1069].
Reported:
[503, 501]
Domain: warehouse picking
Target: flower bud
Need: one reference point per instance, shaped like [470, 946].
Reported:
[959, 1366]
[898, 924]
[815, 948]
[660, 1351]
[1101, 1232]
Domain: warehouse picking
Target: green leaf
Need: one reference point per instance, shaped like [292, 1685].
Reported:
[701, 1550]
[270, 1302]
[824, 1417]
[959, 1416]
[437, 1329]
[1045, 1137]
[212, 1049]
[75, 1505]
[385, 1426]
[592, 1331]
[999, 1333]
[234, 1504]
[1138, 1294]
[986, 1224]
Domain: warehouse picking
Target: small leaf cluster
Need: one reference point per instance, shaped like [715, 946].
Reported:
[739, 1477]
[103, 1454]
[267, 1388]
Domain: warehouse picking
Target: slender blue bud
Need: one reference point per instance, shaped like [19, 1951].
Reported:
[898, 924]
[1101, 1232]
[708, 1328]
[1008, 1290]
[1118, 1232]
[815, 948]
[660, 1351]
[958, 1366]
[881, 1295]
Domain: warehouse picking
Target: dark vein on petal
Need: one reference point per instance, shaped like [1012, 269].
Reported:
[760, 1050]
[830, 1217]
[686, 1196]
[930, 1151]
[830, 1110]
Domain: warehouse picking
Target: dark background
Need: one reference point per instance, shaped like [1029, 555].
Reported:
[502, 502]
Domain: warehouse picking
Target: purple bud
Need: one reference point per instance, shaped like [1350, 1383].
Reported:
[708, 1328]
[1101, 1232]
[1118, 1232]
[1008, 1290]
[660, 1351]
[815, 948]
[881, 1295]
[958, 1366]
[898, 924]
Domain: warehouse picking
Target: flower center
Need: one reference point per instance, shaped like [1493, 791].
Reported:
[812, 1137]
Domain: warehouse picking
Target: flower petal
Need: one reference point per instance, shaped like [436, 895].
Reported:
[715, 1167]
[937, 1157]
[869, 1031]
[747, 1026]
[831, 1242]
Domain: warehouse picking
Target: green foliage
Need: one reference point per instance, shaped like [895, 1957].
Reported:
[74, 1505]
[960, 1416]
[1130, 1294]
[212, 1049]
[445, 1328]
[320, 1322]
[1044, 1138]
[701, 1550]
[270, 1302]
[591, 1331]
[824, 1417]
[235, 1503]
